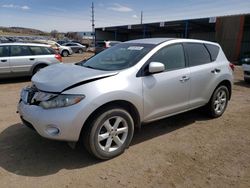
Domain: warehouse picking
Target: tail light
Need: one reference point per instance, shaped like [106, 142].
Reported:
[231, 66]
[59, 57]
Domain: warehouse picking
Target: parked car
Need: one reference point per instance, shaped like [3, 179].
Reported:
[24, 59]
[76, 47]
[63, 50]
[245, 60]
[102, 100]
[61, 42]
[4, 39]
[102, 45]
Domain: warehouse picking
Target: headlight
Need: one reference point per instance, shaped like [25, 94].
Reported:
[62, 101]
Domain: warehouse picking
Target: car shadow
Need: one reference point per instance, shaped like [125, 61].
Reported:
[24, 152]
[15, 80]
[242, 83]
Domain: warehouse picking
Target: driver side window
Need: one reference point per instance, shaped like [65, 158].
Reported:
[171, 56]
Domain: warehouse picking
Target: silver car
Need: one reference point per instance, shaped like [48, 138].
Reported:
[24, 59]
[102, 100]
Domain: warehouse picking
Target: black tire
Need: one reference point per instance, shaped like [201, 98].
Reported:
[80, 51]
[37, 69]
[215, 101]
[65, 53]
[96, 128]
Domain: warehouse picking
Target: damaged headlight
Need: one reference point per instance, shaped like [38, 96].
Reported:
[61, 101]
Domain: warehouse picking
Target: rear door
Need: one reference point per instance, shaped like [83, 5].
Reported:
[167, 92]
[4, 60]
[43, 55]
[21, 59]
[203, 73]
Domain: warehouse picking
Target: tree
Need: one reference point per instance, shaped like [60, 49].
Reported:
[54, 33]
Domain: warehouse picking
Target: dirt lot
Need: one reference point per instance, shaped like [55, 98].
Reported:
[188, 150]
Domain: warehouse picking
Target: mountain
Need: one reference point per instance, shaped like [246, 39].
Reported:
[21, 31]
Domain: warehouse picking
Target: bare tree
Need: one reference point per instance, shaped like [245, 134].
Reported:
[54, 33]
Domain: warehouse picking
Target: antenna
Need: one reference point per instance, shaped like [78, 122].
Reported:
[141, 17]
[93, 22]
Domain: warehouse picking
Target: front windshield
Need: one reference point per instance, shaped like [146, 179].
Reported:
[120, 56]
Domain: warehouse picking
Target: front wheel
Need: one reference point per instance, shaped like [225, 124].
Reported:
[218, 102]
[109, 134]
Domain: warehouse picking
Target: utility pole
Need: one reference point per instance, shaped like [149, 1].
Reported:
[93, 23]
[141, 17]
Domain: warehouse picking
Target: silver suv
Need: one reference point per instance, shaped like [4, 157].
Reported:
[101, 101]
[23, 59]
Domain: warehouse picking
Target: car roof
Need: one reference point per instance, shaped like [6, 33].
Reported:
[157, 41]
[23, 44]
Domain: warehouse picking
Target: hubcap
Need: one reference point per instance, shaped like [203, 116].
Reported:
[220, 101]
[112, 134]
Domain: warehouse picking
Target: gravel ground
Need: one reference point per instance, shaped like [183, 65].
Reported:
[187, 150]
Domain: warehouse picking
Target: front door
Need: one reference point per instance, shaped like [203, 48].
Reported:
[167, 92]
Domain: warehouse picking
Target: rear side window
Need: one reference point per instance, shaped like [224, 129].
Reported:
[171, 56]
[213, 50]
[36, 50]
[20, 51]
[4, 51]
[197, 54]
[49, 50]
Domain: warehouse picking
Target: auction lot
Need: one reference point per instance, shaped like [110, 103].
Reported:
[187, 150]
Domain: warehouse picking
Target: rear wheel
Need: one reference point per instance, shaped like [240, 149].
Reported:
[80, 51]
[109, 134]
[65, 53]
[218, 102]
[38, 68]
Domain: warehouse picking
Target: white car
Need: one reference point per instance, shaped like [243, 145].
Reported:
[25, 59]
[102, 100]
[246, 69]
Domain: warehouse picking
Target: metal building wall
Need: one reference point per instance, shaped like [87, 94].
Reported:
[229, 33]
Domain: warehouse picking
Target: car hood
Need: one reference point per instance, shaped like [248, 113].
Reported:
[60, 77]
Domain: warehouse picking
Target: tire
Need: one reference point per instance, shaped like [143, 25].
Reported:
[65, 53]
[38, 68]
[218, 102]
[109, 134]
[80, 51]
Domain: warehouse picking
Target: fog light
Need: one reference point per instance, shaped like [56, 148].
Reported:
[52, 131]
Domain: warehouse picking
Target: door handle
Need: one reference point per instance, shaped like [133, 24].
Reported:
[4, 60]
[184, 78]
[215, 71]
[32, 59]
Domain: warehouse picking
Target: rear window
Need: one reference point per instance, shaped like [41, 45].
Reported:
[197, 54]
[4, 51]
[213, 50]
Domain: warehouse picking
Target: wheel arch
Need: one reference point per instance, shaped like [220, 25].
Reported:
[42, 64]
[117, 103]
[228, 84]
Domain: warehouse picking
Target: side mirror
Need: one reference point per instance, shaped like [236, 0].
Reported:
[156, 67]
